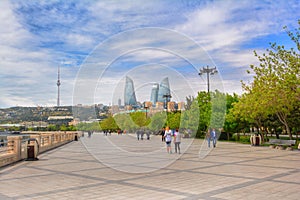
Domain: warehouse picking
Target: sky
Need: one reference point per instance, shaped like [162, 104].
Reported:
[96, 44]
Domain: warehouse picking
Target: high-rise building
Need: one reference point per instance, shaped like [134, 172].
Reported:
[129, 93]
[164, 89]
[154, 93]
[119, 102]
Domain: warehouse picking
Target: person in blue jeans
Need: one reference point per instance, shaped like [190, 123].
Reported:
[212, 136]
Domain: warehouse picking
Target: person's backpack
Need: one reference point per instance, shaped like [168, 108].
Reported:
[168, 137]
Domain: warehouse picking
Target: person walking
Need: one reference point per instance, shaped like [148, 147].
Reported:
[138, 134]
[177, 140]
[213, 137]
[142, 131]
[162, 133]
[168, 139]
[148, 132]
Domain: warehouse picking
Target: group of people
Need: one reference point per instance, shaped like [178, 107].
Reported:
[166, 136]
[140, 134]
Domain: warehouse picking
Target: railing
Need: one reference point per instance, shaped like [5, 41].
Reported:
[14, 148]
[3, 147]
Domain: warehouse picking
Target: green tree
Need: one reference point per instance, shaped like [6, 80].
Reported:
[109, 124]
[125, 122]
[158, 120]
[189, 119]
[218, 109]
[231, 124]
[140, 119]
[173, 120]
[276, 85]
[205, 110]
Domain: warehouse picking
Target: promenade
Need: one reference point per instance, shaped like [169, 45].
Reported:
[120, 167]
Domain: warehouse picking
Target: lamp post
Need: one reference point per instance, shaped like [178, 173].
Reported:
[167, 96]
[146, 107]
[208, 71]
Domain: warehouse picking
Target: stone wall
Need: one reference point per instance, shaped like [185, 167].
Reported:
[15, 148]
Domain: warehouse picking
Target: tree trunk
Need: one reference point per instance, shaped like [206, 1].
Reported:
[283, 119]
[288, 130]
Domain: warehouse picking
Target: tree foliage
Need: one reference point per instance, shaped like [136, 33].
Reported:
[275, 89]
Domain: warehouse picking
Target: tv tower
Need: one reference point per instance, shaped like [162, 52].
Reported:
[58, 84]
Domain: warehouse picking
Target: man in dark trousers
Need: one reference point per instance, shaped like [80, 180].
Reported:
[162, 133]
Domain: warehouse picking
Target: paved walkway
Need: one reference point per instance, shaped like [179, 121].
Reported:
[85, 170]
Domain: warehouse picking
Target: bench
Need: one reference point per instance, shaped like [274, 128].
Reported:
[280, 144]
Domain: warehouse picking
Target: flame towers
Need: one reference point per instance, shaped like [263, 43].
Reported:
[159, 93]
[129, 93]
[154, 93]
[164, 89]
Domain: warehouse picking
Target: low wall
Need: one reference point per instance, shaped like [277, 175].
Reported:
[15, 147]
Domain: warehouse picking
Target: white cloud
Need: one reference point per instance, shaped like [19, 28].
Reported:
[79, 40]
[27, 71]
[34, 43]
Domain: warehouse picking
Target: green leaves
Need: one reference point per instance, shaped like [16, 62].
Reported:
[275, 87]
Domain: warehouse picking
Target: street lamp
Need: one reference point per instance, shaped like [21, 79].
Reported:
[208, 71]
[167, 96]
[146, 107]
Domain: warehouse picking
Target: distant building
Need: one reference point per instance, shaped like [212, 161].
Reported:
[119, 102]
[114, 109]
[160, 105]
[128, 107]
[129, 93]
[154, 93]
[171, 106]
[164, 89]
[180, 106]
[59, 120]
[74, 122]
[148, 104]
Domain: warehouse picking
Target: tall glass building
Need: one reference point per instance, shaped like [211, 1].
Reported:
[154, 93]
[164, 89]
[129, 94]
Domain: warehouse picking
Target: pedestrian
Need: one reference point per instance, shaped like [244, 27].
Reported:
[162, 133]
[177, 140]
[142, 133]
[148, 132]
[168, 139]
[212, 136]
[138, 133]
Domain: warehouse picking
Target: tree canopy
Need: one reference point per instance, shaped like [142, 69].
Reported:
[275, 89]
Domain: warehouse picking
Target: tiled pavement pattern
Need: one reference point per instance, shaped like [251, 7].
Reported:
[230, 171]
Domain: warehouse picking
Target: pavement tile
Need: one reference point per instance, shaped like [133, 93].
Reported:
[230, 171]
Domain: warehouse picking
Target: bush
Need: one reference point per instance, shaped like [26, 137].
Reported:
[243, 139]
[224, 136]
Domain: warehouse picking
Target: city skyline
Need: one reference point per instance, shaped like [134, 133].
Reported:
[186, 36]
[158, 93]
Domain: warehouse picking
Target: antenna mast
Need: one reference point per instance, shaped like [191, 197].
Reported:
[58, 84]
